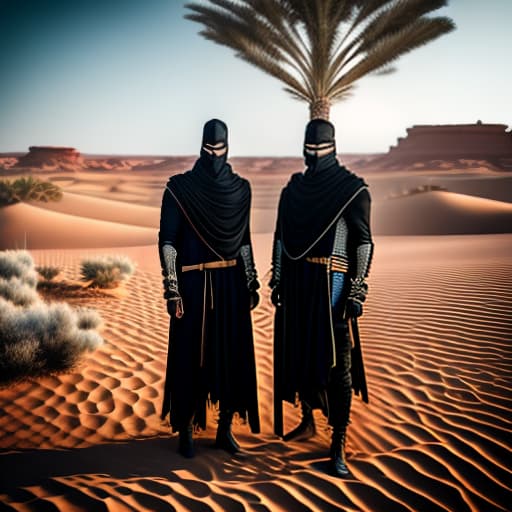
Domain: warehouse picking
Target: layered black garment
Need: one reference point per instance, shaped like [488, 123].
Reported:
[205, 217]
[305, 325]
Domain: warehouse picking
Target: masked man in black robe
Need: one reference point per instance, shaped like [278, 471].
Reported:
[210, 285]
[321, 258]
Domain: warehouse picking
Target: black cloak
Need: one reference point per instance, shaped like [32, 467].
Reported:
[306, 323]
[205, 217]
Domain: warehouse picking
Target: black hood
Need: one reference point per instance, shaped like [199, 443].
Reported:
[215, 132]
[216, 202]
[319, 133]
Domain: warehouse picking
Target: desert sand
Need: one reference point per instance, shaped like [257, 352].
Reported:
[436, 338]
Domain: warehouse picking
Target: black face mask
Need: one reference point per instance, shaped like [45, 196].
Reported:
[212, 162]
[214, 132]
[312, 158]
[319, 133]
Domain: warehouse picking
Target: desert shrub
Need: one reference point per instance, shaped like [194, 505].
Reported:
[16, 291]
[5, 193]
[418, 190]
[38, 338]
[106, 271]
[48, 273]
[18, 278]
[18, 359]
[88, 318]
[18, 264]
[28, 189]
[43, 339]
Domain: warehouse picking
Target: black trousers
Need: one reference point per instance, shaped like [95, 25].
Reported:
[339, 388]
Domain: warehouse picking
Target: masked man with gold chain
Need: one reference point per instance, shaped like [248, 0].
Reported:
[210, 285]
[321, 258]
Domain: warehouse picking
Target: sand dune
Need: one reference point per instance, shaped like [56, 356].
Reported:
[104, 209]
[440, 213]
[436, 335]
[23, 225]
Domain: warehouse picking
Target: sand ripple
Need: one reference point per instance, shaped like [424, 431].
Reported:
[436, 435]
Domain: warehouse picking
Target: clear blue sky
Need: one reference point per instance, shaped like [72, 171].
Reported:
[134, 77]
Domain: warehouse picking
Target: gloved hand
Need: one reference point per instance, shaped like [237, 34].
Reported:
[354, 308]
[174, 303]
[356, 297]
[254, 299]
[275, 297]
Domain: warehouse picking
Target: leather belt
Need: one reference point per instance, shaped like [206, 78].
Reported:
[319, 260]
[209, 265]
[334, 264]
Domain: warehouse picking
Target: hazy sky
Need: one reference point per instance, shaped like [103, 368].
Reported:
[134, 77]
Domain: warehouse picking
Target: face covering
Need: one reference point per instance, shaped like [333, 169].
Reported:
[214, 133]
[319, 133]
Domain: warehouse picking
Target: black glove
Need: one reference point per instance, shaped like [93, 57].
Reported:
[275, 297]
[254, 299]
[174, 303]
[354, 308]
[356, 297]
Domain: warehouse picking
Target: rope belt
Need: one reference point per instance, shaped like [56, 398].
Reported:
[209, 265]
[334, 263]
[207, 285]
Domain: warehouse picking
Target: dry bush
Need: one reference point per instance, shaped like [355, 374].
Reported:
[106, 271]
[28, 189]
[43, 339]
[19, 293]
[88, 318]
[18, 264]
[48, 273]
[38, 338]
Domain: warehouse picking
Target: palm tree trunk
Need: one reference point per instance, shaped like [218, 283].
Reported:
[320, 108]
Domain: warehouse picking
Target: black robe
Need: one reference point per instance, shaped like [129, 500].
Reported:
[218, 365]
[304, 336]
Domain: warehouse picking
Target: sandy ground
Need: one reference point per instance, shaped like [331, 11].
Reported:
[436, 338]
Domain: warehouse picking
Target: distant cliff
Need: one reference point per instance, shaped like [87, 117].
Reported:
[427, 143]
[48, 156]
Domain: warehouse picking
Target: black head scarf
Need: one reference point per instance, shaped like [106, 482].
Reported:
[215, 133]
[320, 134]
[312, 201]
[214, 199]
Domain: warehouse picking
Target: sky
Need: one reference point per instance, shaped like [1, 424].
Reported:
[134, 77]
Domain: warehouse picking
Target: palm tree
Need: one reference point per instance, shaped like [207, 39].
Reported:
[320, 48]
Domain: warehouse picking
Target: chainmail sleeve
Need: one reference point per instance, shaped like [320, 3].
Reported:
[360, 240]
[249, 267]
[170, 223]
[339, 260]
[169, 269]
[277, 254]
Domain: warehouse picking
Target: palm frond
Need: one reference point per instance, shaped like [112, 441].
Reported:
[388, 49]
[320, 48]
[260, 45]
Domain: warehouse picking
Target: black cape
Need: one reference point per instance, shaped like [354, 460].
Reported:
[211, 350]
[305, 326]
[311, 203]
[217, 206]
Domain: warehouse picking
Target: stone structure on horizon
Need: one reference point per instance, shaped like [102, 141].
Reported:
[39, 156]
[427, 143]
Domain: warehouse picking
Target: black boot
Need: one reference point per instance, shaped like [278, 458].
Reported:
[338, 462]
[306, 428]
[225, 439]
[186, 443]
